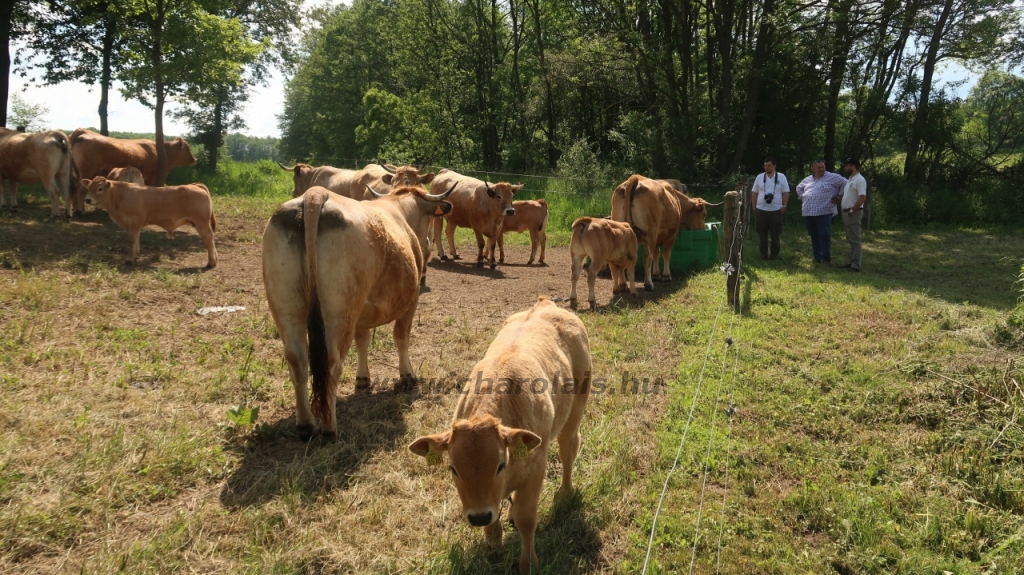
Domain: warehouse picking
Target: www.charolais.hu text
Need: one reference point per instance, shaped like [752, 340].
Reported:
[626, 384]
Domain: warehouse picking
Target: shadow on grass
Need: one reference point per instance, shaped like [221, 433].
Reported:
[958, 266]
[566, 542]
[276, 463]
[88, 240]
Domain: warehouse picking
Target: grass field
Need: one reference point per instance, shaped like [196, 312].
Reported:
[876, 426]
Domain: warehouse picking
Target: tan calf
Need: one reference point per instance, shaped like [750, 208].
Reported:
[129, 175]
[657, 211]
[333, 269]
[133, 207]
[478, 205]
[498, 442]
[337, 180]
[530, 216]
[606, 242]
[36, 158]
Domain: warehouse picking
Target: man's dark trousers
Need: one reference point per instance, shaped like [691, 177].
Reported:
[768, 223]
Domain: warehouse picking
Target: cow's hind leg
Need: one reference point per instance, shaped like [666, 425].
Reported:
[533, 247]
[596, 264]
[206, 233]
[133, 245]
[296, 353]
[501, 249]
[449, 232]
[649, 261]
[666, 261]
[403, 327]
[618, 286]
[362, 363]
[479, 249]
[51, 190]
[339, 340]
[577, 268]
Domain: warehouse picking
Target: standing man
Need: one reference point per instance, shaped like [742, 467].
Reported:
[854, 196]
[819, 193]
[769, 194]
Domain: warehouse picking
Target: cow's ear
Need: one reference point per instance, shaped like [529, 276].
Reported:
[386, 179]
[426, 178]
[516, 188]
[490, 191]
[520, 442]
[431, 447]
[85, 183]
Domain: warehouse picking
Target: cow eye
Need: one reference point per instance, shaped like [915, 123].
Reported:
[501, 466]
[452, 468]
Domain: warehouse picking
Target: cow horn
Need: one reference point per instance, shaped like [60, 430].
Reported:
[386, 168]
[439, 197]
[425, 163]
[373, 193]
[283, 167]
[710, 205]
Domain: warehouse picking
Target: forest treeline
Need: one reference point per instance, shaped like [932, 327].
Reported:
[697, 90]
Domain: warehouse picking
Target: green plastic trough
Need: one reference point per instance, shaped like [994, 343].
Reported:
[694, 250]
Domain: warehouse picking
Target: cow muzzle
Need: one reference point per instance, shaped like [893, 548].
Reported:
[480, 519]
[88, 200]
[510, 212]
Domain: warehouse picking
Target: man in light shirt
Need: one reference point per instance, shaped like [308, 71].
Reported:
[769, 195]
[819, 193]
[854, 196]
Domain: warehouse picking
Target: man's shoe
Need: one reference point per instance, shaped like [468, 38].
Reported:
[853, 269]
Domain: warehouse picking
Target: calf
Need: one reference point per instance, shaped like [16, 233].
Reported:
[132, 207]
[129, 175]
[498, 442]
[531, 216]
[606, 242]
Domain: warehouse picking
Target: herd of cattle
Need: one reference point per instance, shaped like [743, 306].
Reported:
[348, 254]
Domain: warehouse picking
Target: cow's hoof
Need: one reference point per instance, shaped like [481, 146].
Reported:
[444, 258]
[210, 266]
[129, 263]
[493, 266]
[405, 384]
[305, 431]
[573, 303]
[328, 436]
[528, 262]
[479, 264]
[362, 384]
[593, 306]
[649, 287]
[455, 257]
[423, 282]
[79, 213]
[501, 261]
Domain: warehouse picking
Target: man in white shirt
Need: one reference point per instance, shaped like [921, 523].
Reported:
[769, 195]
[854, 196]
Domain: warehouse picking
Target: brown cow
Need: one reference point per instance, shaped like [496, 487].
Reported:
[475, 204]
[531, 216]
[333, 269]
[606, 242]
[130, 175]
[337, 180]
[657, 211]
[94, 155]
[498, 442]
[36, 158]
[133, 207]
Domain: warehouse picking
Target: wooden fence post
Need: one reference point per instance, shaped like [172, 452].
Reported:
[733, 244]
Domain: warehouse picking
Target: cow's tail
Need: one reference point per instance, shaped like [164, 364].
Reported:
[213, 222]
[544, 222]
[628, 188]
[312, 202]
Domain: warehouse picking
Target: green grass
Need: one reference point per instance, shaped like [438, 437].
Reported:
[877, 424]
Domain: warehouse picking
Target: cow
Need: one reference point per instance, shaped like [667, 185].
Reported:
[475, 204]
[606, 242]
[531, 216]
[498, 441]
[383, 177]
[657, 211]
[36, 158]
[94, 155]
[337, 180]
[130, 175]
[133, 207]
[334, 268]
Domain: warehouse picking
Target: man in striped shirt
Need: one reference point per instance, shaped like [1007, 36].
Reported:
[819, 193]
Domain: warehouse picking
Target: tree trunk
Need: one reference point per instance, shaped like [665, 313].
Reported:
[723, 36]
[157, 60]
[109, 33]
[6, 15]
[836, 73]
[549, 105]
[921, 118]
[754, 83]
[218, 130]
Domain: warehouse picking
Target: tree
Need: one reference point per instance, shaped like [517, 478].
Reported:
[80, 40]
[15, 20]
[27, 115]
[177, 48]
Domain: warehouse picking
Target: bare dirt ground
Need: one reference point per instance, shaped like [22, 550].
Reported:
[117, 451]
